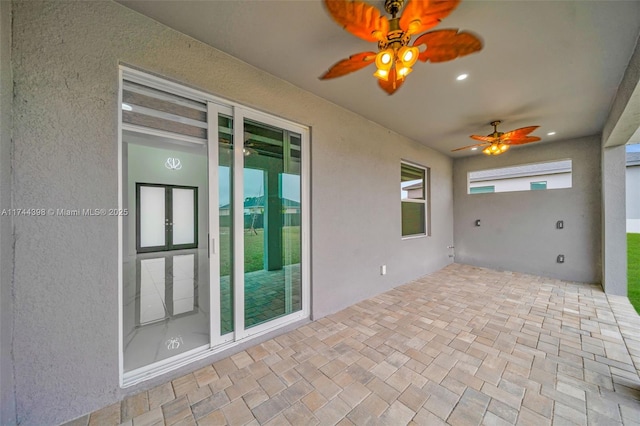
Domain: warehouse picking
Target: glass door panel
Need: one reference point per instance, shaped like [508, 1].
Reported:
[152, 291]
[225, 219]
[153, 213]
[166, 309]
[290, 189]
[184, 275]
[272, 282]
[184, 203]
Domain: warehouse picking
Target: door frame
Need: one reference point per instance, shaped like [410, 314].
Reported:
[239, 116]
[215, 106]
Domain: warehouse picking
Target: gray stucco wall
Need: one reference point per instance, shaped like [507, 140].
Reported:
[614, 223]
[518, 229]
[624, 117]
[7, 400]
[622, 122]
[66, 57]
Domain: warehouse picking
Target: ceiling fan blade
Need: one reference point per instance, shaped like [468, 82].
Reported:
[390, 86]
[518, 133]
[421, 15]
[522, 141]
[359, 18]
[487, 139]
[470, 146]
[446, 45]
[346, 66]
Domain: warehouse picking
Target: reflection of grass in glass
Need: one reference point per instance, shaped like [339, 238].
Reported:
[291, 241]
[633, 270]
[225, 251]
[254, 248]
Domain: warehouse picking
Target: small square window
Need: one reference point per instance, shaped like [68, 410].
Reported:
[482, 189]
[538, 185]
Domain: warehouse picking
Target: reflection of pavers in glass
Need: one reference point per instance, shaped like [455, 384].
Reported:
[265, 296]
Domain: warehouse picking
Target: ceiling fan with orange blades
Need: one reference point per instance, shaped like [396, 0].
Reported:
[498, 142]
[396, 57]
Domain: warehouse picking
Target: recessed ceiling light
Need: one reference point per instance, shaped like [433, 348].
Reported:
[551, 133]
[474, 148]
[462, 77]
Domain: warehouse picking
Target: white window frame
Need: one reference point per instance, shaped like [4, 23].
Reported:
[425, 200]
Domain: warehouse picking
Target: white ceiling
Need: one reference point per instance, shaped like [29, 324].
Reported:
[556, 64]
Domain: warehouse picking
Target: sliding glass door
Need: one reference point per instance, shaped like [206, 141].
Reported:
[166, 303]
[215, 249]
[271, 215]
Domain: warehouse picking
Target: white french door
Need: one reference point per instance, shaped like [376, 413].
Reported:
[248, 273]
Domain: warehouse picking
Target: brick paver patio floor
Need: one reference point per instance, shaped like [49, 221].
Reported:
[462, 346]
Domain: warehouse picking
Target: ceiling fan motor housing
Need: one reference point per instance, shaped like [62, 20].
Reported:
[396, 38]
[496, 133]
[393, 6]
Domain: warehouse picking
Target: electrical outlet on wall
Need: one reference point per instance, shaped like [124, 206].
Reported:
[560, 258]
[383, 270]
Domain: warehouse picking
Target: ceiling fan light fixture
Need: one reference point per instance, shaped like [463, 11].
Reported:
[408, 55]
[381, 74]
[414, 26]
[384, 62]
[384, 59]
[404, 71]
[496, 148]
[497, 142]
[397, 53]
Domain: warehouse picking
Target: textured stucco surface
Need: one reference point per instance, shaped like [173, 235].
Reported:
[518, 229]
[622, 122]
[614, 221]
[7, 400]
[66, 57]
[624, 116]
